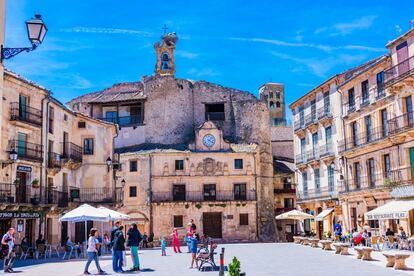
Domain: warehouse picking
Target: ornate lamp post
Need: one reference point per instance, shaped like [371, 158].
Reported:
[109, 163]
[36, 31]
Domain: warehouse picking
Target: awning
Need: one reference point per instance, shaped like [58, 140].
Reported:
[322, 215]
[397, 209]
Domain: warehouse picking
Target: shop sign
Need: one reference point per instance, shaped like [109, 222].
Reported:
[20, 225]
[21, 168]
[19, 215]
[396, 215]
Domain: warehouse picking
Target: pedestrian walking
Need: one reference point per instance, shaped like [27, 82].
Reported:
[188, 236]
[194, 248]
[163, 243]
[92, 252]
[118, 250]
[7, 246]
[176, 241]
[134, 238]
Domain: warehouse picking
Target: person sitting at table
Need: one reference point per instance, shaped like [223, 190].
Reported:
[402, 234]
[365, 236]
[40, 240]
[389, 232]
[72, 245]
[357, 237]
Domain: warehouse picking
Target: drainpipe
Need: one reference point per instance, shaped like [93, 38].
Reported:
[119, 160]
[150, 194]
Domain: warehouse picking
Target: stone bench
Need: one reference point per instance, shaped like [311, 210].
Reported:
[314, 243]
[326, 245]
[364, 252]
[341, 248]
[396, 259]
[297, 239]
[305, 241]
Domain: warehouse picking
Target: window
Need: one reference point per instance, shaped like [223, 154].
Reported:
[270, 94]
[178, 221]
[215, 112]
[111, 116]
[51, 119]
[387, 165]
[238, 164]
[244, 219]
[179, 193]
[288, 203]
[81, 125]
[357, 175]
[354, 129]
[384, 122]
[317, 180]
[365, 94]
[371, 172]
[326, 102]
[133, 165]
[409, 110]
[278, 104]
[331, 177]
[136, 114]
[165, 61]
[315, 143]
[301, 116]
[313, 109]
[240, 192]
[132, 191]
[368, 128]
[351, 99]
[328, 136]
[380, 84]
[302, 147]
[278, 95]
[23, 104]
[88, 146]
[305, 183]
[209, 192]
[21, 144]
[179, 165]
[271, 105]
[65, 117]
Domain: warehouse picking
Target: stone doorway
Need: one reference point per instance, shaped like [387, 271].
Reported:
[212, 225]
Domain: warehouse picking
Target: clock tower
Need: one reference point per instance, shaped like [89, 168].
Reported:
[164, 50]
[209, 138]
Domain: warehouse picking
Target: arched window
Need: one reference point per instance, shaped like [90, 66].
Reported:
[165, 61]
[272, 105]
[278, 94]
[277, 104]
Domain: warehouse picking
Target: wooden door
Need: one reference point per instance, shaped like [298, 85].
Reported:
[212, 225]
[21, 187]
[63, 232]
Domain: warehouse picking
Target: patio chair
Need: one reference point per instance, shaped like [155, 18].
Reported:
[376, 241]
[391, 242]
[206, 257]
[68, 250]
[41, 250]
[50, 248]
[26, 250]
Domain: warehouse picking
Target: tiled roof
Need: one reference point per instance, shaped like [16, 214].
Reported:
[356, 71]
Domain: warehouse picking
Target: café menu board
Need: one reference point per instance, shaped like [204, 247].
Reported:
[19, 215]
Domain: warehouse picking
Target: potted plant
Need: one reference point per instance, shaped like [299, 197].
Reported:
[36, 183]
[390, 183]
[234, 268]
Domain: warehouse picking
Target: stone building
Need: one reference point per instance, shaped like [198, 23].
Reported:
[274, 95]
[164, 112]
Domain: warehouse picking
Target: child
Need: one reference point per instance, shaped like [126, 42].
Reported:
[176, 241]
[163, 246]
[194, 248]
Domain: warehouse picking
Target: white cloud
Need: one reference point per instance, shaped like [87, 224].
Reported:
[202, 72]
[186, 54]
[107, 31]
[342, 29]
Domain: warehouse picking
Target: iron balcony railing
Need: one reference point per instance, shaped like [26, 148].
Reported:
[286, 188]
[312, 154]
[301, 158]
[399, 72]
[311, 119]
[19, 193]
[300, 124]
[362, 139]
[215, 116]
[59, 198]
[54, 160]
[326, 150]
[321, 192]
[25, 113]
[71, 151]
[124, 121]
[375, 93]
[199, 196]
[369, 182]
[96, 195]
[401, 123]
[27, 151]
[401, 176]
[324, 112]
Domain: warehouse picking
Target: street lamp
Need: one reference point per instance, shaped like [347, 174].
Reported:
[13, 155]
[108, 163]
[36, 31]
[123, 182]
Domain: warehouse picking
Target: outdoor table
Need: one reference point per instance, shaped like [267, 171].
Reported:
[341, 248]
[396, 259]
[364, 252]
[326, 245]
[297, 239]
[314, 243]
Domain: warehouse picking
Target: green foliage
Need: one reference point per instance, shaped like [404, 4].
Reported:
[187, 206]
[198, 206]
[390, 183]
[234, 267]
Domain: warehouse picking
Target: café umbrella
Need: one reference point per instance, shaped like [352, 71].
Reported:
[294, 214]
[112, 214]
[84, 213]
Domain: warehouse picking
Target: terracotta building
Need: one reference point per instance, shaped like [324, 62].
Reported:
[163, 113]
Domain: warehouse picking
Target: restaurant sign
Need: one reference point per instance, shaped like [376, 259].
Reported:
[21, 168]
[395, 215]
[19, 215]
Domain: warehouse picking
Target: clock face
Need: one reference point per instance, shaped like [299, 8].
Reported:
[209, 140]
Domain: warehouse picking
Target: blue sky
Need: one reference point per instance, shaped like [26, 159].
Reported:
[242, 44]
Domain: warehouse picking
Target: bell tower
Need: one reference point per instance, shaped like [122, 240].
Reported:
[164, 50]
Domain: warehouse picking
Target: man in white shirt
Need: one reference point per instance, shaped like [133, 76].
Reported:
[7, 243]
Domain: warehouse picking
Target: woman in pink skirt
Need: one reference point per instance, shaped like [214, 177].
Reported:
[175, 241]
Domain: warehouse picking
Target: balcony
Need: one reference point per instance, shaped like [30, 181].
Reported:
[55, 197]
[311, 119]
[364, 101]
[27, 151]
[300, 159]
[124, 121]
[96, 195]
[312, 154]
[375, 95]
[362, 139]
[25, 113]
[54, 161]
[17, 193]
[376, 181]
[287, 188]
[199, 196]
[399, 72]
[324, 115]
[401, 123]
[310, 194]
[326, 150]
[71, 152]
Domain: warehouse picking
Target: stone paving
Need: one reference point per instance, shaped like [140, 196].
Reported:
[256, 260]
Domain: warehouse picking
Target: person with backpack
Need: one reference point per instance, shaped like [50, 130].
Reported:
[118, 250]
[134, 239]
[92, 252]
